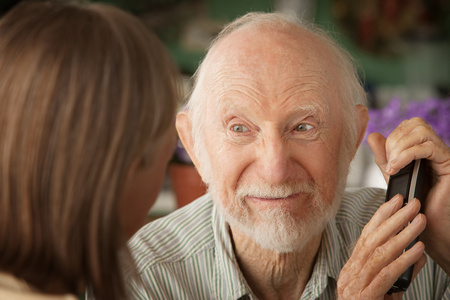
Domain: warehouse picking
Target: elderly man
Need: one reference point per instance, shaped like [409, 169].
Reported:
[274, 120]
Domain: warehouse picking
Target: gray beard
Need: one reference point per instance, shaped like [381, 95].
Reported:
[276, 229]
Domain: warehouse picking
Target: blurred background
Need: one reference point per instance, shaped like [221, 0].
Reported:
[403, 47]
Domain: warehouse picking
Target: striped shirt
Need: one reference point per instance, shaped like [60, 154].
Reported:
[189, 255]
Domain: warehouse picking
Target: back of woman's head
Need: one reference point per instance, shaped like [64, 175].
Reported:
[85, 91]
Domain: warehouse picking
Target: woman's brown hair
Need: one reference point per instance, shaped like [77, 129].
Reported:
[85, 91]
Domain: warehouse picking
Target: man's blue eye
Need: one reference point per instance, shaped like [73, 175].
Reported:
[303, 127]
[239, 128]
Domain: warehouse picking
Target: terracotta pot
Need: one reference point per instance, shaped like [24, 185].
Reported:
[186, 183]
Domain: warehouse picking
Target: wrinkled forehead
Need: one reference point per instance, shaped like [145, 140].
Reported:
[264, 60]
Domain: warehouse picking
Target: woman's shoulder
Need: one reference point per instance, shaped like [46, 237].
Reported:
[14, 288]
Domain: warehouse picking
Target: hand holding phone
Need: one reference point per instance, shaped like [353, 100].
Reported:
[411, 182]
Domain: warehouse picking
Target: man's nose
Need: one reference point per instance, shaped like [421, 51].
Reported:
[274, 160]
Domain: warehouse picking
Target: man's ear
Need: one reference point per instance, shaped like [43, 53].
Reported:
[362, 115]
[184, 128]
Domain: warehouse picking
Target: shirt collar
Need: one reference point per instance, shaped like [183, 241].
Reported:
[330, 260]
[227, 274]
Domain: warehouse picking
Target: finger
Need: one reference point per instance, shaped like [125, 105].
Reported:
[394, 296]
[384, 212]
[384, 225]
[389, 274]
[405, 129]
[407, 134]
[419, 265]
[413, 139]
[388, 252]
[435, 151]
[380, 283]
[391, 218]
[398, 135]
[399, 146]
[369, 238]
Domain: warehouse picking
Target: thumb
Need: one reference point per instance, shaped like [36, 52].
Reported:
[377, 143]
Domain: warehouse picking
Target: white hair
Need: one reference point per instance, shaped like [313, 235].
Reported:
[349, 86]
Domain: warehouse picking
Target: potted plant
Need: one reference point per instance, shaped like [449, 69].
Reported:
[186, 182]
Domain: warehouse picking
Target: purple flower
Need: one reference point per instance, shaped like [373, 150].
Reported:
[435, 112]
[181, 155]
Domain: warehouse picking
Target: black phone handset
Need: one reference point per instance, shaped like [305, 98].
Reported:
[413, 181]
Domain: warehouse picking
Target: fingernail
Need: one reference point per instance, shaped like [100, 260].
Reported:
[416, 219]
[411, 202]
[418, 247]
[395, 199]
[388, 167]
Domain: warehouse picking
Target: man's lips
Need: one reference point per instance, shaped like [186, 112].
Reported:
[293, 202]
[267, 199]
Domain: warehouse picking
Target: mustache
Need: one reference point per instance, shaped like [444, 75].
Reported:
[265, 190]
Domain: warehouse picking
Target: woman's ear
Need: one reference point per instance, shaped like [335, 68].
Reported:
[184, 128]
[362, 115]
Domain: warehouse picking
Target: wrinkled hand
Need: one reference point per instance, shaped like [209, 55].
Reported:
[377, 260]
[415, 139]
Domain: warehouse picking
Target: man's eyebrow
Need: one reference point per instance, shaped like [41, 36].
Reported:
[313, 109]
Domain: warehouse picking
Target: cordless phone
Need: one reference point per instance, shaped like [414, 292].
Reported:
[411, 182]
